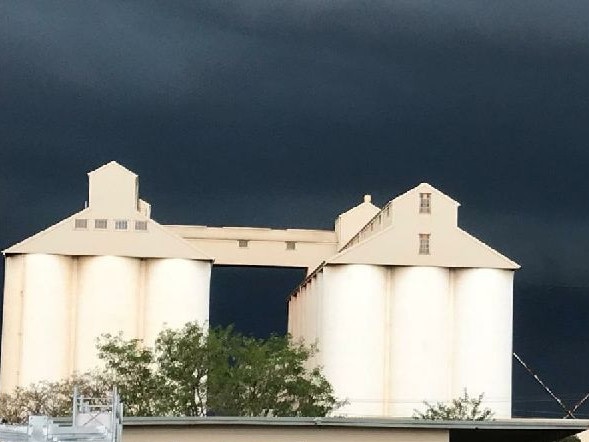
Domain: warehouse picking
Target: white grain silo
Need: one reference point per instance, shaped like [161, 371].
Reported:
[415, 309]
[352, 339]
[482, 336]
[107, 269]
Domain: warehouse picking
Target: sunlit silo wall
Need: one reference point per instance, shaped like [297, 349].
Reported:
[55, 307]
[107, 302]
[419, 337]
[352, 338]
[12, 321]
[46, 292]
[482, 322]
[391, 337]
[176, 292]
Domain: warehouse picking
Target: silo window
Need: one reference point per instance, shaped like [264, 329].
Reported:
[141, 225]
[243, 243]
[100, 224]
[121, 224]
[425, 203]
[81, 223]
[291, 245]
[424, 243]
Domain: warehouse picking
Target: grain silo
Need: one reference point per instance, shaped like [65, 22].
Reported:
[107, 269]
[411, 309]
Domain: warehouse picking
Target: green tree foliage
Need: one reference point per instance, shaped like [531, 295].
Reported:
[190, 372]
[184, 358]
[266, 377]
[462, 408]
[130, 366]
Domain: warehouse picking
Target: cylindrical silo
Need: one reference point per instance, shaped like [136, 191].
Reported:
[318, 301]
[12, 322]
[292, 316]
[482, 347]
[309, 314]
[300, 306]
[419, 336]
[107, 302]
[298, 323]
[45, 318]
[352, 338]
[177, 292]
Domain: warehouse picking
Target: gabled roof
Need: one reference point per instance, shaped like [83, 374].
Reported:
[392, 237]
[448, 249]
[64, 239]
[113, 193]
[112, 165]
[348, 223]
[364, 205]
[427, 187]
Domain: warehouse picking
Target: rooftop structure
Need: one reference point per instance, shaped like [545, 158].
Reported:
[348, 429]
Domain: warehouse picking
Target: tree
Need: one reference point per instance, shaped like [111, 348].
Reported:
[190, 372]
[267, 377]
[195, 372]
[131, 367]
[461, 408]
[184, 358]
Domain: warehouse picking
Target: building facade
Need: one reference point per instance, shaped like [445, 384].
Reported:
[403, 304]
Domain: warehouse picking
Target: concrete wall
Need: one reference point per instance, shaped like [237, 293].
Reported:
[211, 433]
[392, 337]
[56, 306]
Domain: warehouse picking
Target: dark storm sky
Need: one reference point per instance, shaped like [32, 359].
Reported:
[284, 113]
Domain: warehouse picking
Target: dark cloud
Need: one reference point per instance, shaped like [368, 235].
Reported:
[283, 113]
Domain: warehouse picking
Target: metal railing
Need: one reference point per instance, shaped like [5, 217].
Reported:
[93, 419]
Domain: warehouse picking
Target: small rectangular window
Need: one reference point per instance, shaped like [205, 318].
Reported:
[243, 243]
[424, 243]
[425, 203]
[140, 225]
[100, 224]
[121, 224]
[291, 245]
[81, 223]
